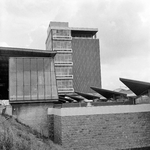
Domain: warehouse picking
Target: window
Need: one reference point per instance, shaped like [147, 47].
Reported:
[62, 45]
[63, 71]
[32, 79]
[63, 58]
[59, 33]
[64, 84]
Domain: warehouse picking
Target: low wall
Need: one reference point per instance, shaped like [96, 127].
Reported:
[34, 115]
[101, 127]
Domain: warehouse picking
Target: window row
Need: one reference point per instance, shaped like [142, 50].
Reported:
[63, 71]
[26, 92]
[63, 58]
[66, 33]
[31, 64]
[63, 84]
[62, 45]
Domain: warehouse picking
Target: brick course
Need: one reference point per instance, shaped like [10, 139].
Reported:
[103, 131]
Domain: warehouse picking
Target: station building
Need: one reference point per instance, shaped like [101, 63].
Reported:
[33, 79]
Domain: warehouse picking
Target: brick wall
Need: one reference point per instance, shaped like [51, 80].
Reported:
[125, 130]
[120, 131]
[86, 64]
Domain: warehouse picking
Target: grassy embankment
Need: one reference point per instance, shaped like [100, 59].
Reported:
[17, 136]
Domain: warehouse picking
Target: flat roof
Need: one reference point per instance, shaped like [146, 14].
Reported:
[25, 52]
[138, 87]
[75, 28]
[107, 93]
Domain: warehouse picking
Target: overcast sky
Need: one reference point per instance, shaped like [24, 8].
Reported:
[124, 31]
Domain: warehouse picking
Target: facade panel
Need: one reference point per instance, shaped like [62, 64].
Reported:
[32, 79]
[86, 64]
[60, 40]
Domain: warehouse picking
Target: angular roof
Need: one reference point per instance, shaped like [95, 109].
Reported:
[87, 96]
[138, 87]
[107, 93]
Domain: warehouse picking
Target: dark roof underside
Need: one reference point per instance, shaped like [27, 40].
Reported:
[80, 33]
[23, 52]
[107, 93]
[138, 87]
[87, 96]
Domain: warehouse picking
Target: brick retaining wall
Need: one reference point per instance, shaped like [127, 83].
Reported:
[124, 130]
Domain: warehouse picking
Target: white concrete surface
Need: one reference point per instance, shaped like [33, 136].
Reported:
[77, 111]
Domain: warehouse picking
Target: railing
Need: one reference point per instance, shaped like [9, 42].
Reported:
[64, 76]
[65, 90]
[63, 63]
[62, 50]
[59, 37]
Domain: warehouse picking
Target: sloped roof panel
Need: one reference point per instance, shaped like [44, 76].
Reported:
[138, 87]
[107, 93]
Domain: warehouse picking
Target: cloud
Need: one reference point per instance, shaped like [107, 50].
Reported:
[121, 27]
[37, 41]
[124, 30]
[4, 44]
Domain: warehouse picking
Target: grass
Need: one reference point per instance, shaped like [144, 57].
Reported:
[17, 136]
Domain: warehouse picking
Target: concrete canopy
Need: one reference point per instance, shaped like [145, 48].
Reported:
[107, 93]
[138, 87]
[88, 96]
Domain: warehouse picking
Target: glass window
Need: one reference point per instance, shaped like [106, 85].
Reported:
[48, 92]
[40, 71]
[26, 64]
[63, 58]
[54, 92]
[20, 92]
[26, 92]
[19, 64]
[12, 65]
[47, 64]
[12, 92]
[47, 78]
[33, 65]
[64, 84]
[53, 79]
[12, 79]
[64, 45]
[63, 71]
[40, 92]
[34, 91]
[26, 78]
[32, 79]
[52, 65]
[20, 77]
